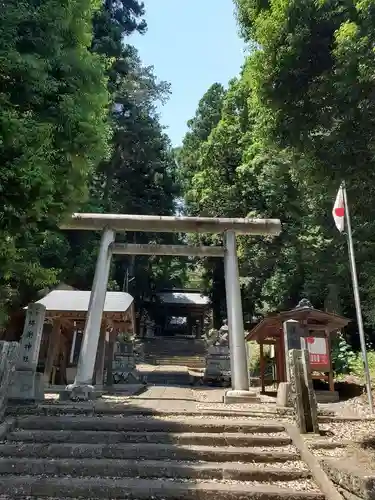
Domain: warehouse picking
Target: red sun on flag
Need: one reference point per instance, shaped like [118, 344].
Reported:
[310, 340]
[339, 211]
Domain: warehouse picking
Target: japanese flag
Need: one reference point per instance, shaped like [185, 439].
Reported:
[338, 211]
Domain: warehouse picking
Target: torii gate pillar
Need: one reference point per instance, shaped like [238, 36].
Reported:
[238, 353]
[82, 387]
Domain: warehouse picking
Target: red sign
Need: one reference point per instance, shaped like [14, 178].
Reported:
[318, 350]
[318, 359]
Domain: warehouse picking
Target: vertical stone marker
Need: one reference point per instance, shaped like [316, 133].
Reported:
[9, 352]
[292, 340]
[28, 383]
[302, 392]
[31, 337]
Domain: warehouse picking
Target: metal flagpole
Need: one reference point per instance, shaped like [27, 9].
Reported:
[357, 299]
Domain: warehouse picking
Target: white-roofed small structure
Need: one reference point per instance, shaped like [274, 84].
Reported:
[75, 303]
[66, 310]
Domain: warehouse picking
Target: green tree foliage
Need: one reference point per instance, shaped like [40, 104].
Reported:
[311, 82]
[53, 112]
[206, 118]
[138, 177]
[190, 172]
[79, 131]
[297, 121]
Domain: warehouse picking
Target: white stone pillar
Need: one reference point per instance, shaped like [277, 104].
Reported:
[100, 358]
[82, 388]
[239, 369]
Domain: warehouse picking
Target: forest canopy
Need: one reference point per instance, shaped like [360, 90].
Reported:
[278, 140]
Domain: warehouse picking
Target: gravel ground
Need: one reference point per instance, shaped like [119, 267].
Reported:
[358, 435]
[335, 453]
[357, 431]
[357, 406]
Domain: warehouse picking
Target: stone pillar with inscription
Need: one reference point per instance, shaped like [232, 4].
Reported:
[9, 352]
[28, 384]
[302, 392]
[292, 340]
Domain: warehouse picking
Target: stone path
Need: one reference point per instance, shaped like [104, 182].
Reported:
[191, 399]
[166, 399]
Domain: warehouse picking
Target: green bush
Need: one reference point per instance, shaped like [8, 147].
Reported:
[357, 369]
[254, 357]
[342, 356]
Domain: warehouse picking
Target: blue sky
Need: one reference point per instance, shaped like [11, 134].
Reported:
[191, 44]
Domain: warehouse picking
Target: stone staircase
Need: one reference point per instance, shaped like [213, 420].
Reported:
[142, 455]
[175, 351]
[166, 375]
[196, 362]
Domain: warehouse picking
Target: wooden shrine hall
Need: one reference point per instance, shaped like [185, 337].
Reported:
[63, 330]
[317, 330]
[180, 312]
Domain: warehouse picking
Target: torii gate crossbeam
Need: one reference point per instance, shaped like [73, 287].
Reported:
[110, 223]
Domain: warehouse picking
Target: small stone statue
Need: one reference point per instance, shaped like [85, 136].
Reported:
[304, 304]
[223, 334]
[217, 357]
[211, 337]
[218, 337]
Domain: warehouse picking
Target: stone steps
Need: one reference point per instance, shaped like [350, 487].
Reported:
[140, 489]
[135, 423]
[177, 357]
[113, 437]
[142, 456]
[175, 352]
[150, 469]
[105, 408]
[143, 451]
[167, 378]
[197, 363]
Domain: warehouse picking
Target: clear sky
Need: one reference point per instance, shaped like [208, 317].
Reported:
[191, 44]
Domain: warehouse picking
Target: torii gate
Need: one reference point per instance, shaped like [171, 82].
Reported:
[110, 223]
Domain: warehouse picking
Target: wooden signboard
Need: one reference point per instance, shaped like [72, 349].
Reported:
[318, 348]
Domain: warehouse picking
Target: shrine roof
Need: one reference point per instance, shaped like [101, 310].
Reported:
[271, 326]
[183, 298]
[78, 301]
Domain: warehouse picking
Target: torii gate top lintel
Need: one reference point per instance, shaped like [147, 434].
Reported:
[170, 224]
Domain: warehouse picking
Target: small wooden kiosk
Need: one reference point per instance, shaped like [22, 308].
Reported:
[317, 329]
[64, 323]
